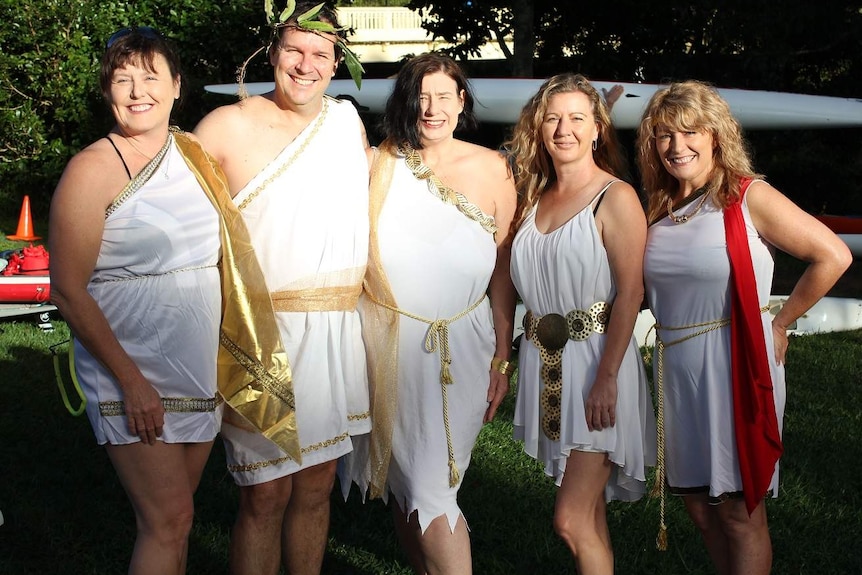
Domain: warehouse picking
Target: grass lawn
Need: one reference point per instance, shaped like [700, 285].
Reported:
[65, 512]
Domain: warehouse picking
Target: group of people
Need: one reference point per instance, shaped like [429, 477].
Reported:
[333, 308]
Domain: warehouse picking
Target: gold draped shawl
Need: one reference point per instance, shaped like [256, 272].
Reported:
[380, 331]
[253, 369]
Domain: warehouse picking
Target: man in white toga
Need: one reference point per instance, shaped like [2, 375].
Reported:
[297, 168]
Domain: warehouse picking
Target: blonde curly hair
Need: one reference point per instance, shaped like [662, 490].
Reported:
[685, 107]
[531, 164]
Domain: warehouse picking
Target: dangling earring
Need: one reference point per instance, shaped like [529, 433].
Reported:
[595, 144]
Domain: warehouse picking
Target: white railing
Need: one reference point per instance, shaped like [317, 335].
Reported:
[380, 18]
[387, 34]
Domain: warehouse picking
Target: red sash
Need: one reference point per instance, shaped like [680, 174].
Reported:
[758, 441]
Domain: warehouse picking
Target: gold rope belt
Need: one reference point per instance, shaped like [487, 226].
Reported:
[337, 298]
[550, 333]
[437, 339]
[660, 345]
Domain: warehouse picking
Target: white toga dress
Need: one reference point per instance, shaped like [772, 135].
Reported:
[438, 263]
[307, 215]
[157, 284]
[687, 275]
[556, 272]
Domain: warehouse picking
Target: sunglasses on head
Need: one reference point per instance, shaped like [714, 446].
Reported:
[145, 31]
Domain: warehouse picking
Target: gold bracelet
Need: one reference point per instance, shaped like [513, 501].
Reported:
[503, 366]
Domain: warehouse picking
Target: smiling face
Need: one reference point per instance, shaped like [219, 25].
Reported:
[304, 63]
[686, 155]
[569, 127]
[440, 103]
[142, 99]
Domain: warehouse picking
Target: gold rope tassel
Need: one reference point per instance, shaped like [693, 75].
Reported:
[454, 474]
[437, 339]
[658, 486]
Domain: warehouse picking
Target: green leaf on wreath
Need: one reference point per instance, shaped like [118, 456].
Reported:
[354, 66]
[309, 15]
[287, 12]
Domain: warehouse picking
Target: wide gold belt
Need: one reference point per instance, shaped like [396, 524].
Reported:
[549, 333]
[553, 330]
[337, 298]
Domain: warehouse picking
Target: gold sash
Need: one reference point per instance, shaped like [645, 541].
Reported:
[253, 370]
[336, 298]
[380, 332]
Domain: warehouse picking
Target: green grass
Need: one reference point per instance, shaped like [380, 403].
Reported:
[66, 513]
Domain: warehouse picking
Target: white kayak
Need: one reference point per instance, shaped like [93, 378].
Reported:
[501, 100]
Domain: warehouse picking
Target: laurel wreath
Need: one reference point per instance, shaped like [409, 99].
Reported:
[310, 22]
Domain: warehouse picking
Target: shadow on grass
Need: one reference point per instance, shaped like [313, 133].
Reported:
[66, 512]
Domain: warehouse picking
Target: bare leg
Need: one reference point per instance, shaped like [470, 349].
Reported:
[306, 523]
[160, 481]
[438, 551]
[580, 512]
[747, 538]
[408, 536]
[705, 518]
[256, 538]
[446, 552]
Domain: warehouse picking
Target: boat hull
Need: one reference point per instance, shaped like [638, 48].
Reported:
[25, 289]
[500, 100]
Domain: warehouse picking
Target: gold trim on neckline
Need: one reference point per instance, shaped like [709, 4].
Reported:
[444, 192]
[287, 164]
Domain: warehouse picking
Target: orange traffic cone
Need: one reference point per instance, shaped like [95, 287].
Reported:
[25, 224]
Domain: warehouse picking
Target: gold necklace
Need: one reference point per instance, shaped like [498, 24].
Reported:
[684, 218]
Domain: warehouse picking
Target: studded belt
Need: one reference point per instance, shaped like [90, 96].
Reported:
[549, 333]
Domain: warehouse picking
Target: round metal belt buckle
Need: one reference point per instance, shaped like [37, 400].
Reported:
[552, 331]
[580, 324]
[600, 312]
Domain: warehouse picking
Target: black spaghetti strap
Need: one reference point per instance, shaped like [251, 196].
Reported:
[116, 149]
[601, 196]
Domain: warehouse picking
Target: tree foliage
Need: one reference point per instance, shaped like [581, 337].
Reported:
[50, 106]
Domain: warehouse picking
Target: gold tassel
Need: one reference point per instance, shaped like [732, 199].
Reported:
[454, 474]
[445, 376]
[661, 540]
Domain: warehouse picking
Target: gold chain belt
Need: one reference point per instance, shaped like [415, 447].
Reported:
[549, 333]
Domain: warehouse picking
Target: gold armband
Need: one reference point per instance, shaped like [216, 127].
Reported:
[503, 366]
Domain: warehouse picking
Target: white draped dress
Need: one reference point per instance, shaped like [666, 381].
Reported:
[157, 284]
[557, 272]
[687, 273]
[438, 263]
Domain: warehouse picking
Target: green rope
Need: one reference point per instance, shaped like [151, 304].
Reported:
[75, 384]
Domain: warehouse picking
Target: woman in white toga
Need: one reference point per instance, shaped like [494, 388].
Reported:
[440, 214]
[583, 407]
[134, 254]
[719, 360]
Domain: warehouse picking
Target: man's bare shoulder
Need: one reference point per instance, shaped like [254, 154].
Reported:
[234, 117]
